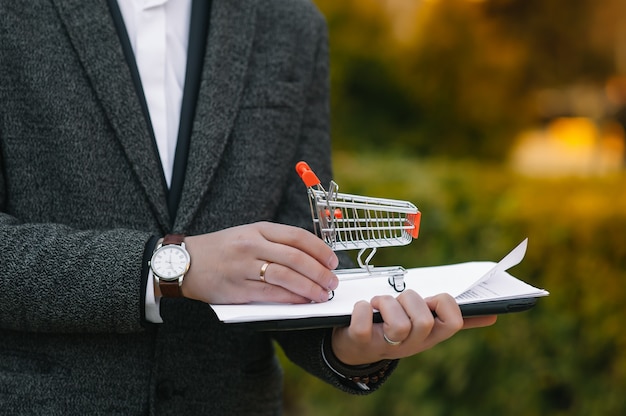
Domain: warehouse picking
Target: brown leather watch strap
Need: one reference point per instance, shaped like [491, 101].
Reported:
[173, 239]
[170, 289]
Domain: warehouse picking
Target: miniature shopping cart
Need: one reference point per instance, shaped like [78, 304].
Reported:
[353, 222]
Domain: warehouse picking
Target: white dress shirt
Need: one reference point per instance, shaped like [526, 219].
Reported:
[159, 33]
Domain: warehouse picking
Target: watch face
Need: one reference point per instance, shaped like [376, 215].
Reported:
[170, 262]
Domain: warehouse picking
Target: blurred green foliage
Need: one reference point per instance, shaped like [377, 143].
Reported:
[564, 357]
[459, 77]
[428, 97]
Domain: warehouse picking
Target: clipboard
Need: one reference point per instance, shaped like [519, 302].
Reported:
[480, 288]
[498, 307]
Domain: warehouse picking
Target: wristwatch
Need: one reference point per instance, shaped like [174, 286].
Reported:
[170, 261]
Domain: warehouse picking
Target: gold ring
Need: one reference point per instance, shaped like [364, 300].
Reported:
[263, 270]
[390, 342]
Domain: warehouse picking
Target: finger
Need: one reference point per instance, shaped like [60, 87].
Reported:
[448, 318]
[276, 274]
[417, 309]
[479, 321]
[361, 322]
[265, 292]
[302, 240]
[445, 309]
[397, 324]
[302, 273]
[351, 343]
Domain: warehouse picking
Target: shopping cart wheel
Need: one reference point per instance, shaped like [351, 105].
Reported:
[397, 282]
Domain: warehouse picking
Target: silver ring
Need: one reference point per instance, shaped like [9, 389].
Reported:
[263, 270]
[390, 342]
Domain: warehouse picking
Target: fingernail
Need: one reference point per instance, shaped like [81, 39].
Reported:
[333, 262]
[326, 296]
[334, 282]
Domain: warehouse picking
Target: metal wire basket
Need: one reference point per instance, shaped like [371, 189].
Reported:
[349, 222]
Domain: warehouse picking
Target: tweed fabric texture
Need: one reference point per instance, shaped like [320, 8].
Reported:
[81, 193]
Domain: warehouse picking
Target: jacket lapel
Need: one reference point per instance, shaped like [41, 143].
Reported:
[198, 34]
[90, 27]
[231, 33]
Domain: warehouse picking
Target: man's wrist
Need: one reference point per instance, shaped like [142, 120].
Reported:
[364, 376]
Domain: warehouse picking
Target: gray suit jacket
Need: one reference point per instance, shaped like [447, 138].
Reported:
[81, 193]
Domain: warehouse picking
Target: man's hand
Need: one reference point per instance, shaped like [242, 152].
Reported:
[411, 325]
[226, 265]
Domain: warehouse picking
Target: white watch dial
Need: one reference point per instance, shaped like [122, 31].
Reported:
[170, 262]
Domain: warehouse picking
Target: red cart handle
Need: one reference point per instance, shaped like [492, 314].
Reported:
[309, 177]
